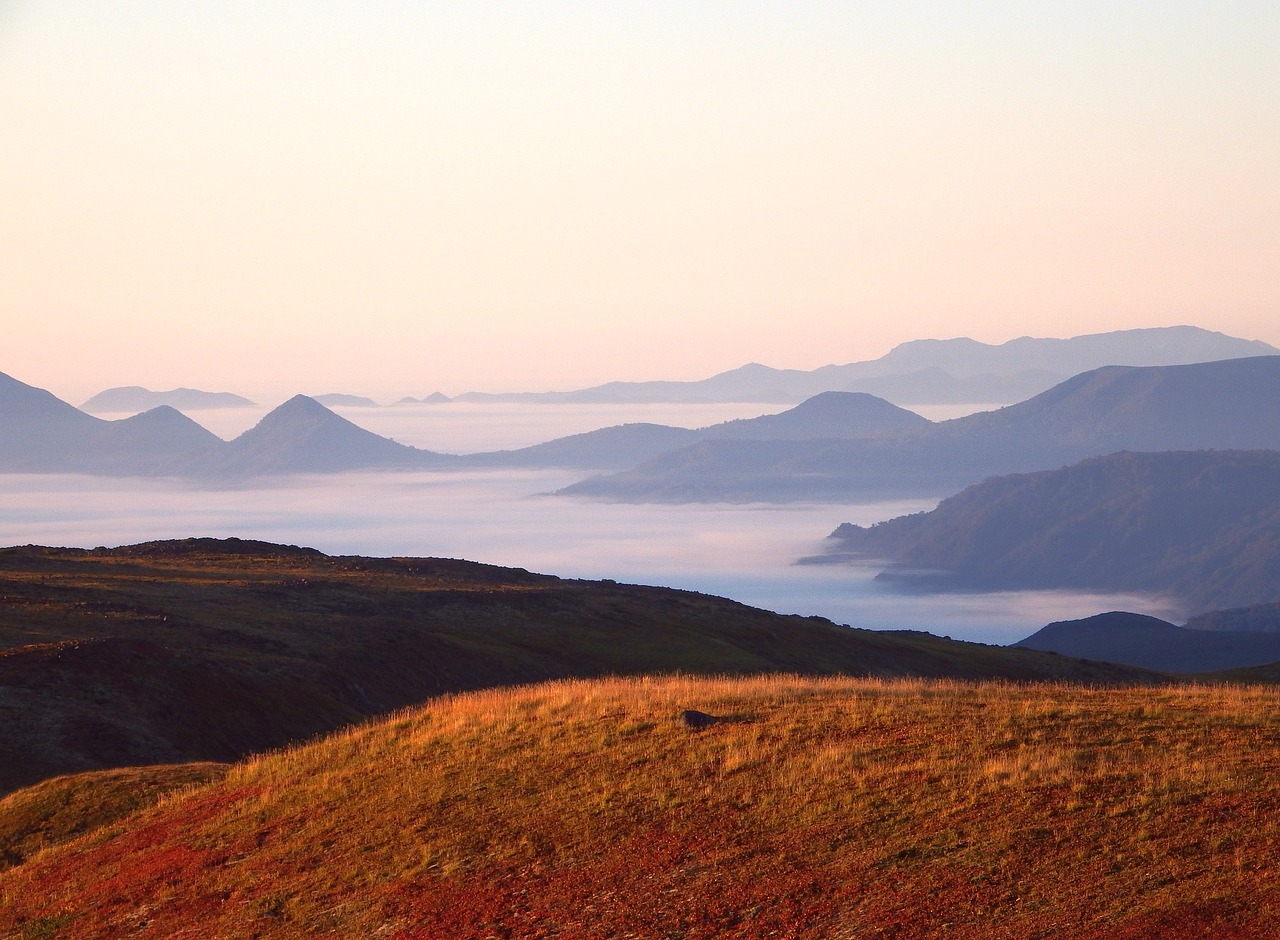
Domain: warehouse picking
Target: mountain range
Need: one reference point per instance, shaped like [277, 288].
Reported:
[1201, 526]
[927, 371]
[834, 445]
[1230, 404]
[40, 433]
[825, 416]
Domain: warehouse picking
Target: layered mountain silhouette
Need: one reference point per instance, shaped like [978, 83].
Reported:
[1201, 526]
[136, 398]
[1230, 404]
[303, 436]
[930, 371]
[40, 433]
[1151, 643]
[826, 416]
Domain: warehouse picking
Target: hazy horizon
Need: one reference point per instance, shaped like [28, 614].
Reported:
[403, 199]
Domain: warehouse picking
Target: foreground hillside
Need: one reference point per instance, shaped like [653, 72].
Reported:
[211, 649]
[821, 808]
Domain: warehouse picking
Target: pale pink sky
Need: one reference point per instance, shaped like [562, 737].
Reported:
[390, 198]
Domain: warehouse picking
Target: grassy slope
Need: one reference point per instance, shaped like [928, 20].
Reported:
[211, 650]
[60, 809]
[827, 808]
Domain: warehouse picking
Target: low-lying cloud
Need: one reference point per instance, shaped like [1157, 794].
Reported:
[744, 552]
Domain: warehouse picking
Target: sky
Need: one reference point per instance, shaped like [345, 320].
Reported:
[391, 198]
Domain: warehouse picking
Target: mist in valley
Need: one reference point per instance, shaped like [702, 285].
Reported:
[742, 551]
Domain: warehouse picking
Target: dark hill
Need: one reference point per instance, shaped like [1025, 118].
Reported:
[1228, 404]
[207, 649]
[1203, 526]
[1151, 643]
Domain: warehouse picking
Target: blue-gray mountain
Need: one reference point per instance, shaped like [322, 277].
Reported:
[40, 433]
[930, 371]
[1201, 526]
[1230, 404]
[1150, 643]
[135, 398]
[826, 416]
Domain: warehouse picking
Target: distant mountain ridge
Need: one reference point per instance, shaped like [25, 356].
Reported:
[136, 398]
[40, 433]
[929, 371]
[826, 416]
[1230, 404]
[1202, 526]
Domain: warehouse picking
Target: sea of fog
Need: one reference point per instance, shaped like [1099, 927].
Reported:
[746, 552]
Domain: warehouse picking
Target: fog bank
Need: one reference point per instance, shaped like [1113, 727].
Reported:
[743, 552]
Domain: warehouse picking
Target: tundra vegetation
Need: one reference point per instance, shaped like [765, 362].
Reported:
[825, 807]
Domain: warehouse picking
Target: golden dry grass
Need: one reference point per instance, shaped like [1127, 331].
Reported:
[824, 808]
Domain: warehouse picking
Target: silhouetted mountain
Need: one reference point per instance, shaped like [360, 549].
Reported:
[135, 398]
[435, 398]
[1203, 526]
[836, 415]
[40, 432]
[1159, 346]
[830, 415]
[303, 436]
[931, 370]
[162, 441]
[339, 400]
[1151, 643]
[1230, 404]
